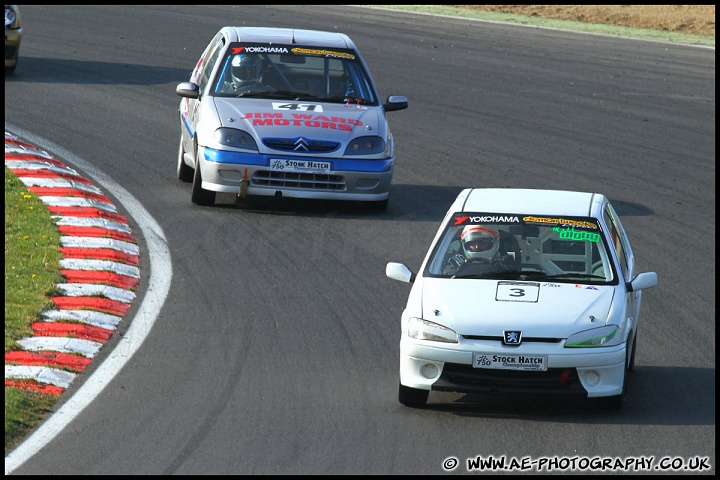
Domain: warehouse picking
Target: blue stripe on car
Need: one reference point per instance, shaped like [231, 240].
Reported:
[338, 165]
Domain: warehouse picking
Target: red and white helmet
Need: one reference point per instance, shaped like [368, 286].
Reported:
[480, 241]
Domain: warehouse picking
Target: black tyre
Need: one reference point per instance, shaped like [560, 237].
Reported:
[631, 365]
[412, 397]
[200, 196]
[184, 172]
[378, 206]
[11, 69]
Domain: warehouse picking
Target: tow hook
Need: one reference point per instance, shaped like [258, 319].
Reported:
[244, 184]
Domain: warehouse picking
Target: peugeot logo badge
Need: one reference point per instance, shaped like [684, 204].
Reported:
[512, 337]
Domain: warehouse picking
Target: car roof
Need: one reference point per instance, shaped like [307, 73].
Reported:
[288, 36]
[530, 201]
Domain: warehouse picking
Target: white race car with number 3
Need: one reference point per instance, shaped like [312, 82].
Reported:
[523, 291]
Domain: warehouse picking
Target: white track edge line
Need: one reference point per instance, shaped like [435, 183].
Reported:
[158, 280]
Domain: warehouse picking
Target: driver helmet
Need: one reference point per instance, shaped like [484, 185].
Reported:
[480, 241]
[246, 68]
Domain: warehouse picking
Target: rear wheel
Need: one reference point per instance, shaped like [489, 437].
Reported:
[184, 172]
[412, 397]
[200, 196]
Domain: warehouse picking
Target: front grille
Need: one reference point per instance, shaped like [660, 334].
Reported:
[301, 145]
[524, 339]
[306, 181]
[465, 378]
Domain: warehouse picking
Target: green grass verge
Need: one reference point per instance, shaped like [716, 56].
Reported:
[32, 271]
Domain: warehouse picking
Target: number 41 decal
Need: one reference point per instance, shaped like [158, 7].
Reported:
[302, 107]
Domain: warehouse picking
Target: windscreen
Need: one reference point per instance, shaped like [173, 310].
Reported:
[522, 246]
[334, 75]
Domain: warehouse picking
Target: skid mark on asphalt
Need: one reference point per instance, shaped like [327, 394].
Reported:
[100, 265]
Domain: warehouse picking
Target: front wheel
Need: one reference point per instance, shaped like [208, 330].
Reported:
[377, 206]
[200, 196]
[412, 397]
[11, 69]
[631, 364]
[184, 172]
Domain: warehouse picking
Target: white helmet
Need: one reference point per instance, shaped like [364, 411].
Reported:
[480, 241]
[246, 68]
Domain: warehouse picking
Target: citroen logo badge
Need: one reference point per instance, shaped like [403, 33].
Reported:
[301, 145]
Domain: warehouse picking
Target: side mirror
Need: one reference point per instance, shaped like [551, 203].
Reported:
[395, 102]
[188, 90]
[642, 281]
[400, 272]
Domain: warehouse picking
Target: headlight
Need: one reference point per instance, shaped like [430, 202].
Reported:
[596, 337]
[10, 16]
[365, 146]
[420, 329]
[232, 137]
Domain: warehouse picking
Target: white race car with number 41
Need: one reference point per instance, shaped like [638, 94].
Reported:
[285, 112]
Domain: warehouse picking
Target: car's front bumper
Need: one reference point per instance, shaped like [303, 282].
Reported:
[595, 372]
[358, 180]
[12, 45]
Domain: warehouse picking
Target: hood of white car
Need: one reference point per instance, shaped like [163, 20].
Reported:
[292, 119]
[538, 309]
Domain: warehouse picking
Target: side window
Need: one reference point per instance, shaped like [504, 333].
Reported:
[617, 241]
[210, 64]
[358, 84]
[202, 61]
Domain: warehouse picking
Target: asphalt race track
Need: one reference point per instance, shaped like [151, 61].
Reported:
[276, 350]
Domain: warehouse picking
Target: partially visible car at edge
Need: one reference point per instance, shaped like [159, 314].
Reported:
[556, 310]
[13, 37]
[286, 113]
